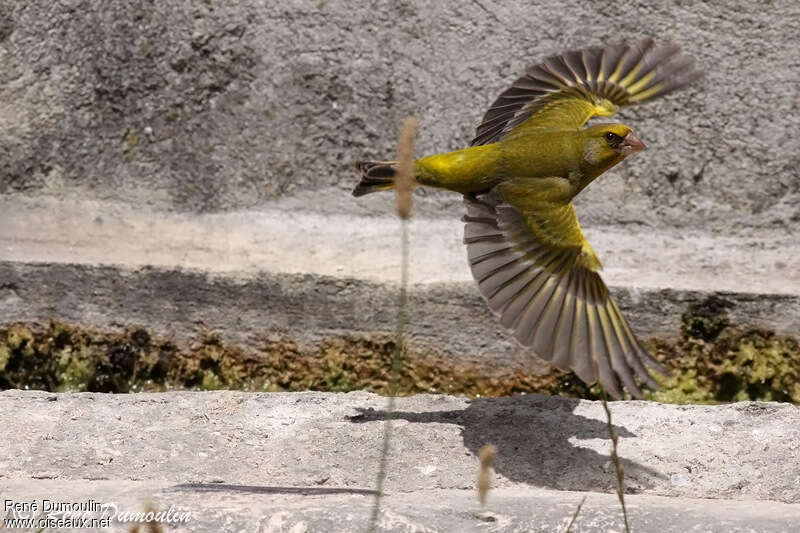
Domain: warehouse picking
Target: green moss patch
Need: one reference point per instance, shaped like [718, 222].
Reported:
[716, 362]
[711, 362]
[59, 357]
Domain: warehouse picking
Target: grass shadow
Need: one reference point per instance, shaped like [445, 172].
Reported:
[260, 489]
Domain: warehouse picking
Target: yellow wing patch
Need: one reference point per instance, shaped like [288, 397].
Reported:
[566, 90]
[550, 296]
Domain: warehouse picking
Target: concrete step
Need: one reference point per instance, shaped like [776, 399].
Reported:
[312, 275]
[286, 238]
[308, 461]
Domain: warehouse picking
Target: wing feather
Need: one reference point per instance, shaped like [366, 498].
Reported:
[594, 80]
[580, 358]
[621, 360]
[597, 342]
[528, 318]
[544, 334]
[566, 319]
[550, 297]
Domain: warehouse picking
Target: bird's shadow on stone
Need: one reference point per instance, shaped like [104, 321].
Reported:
[538, 440]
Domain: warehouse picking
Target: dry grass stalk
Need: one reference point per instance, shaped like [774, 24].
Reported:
[486, 455]
[403, 182]
[615, 459]
[404, 177]
[575, 516]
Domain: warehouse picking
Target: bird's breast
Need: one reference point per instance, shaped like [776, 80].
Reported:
[537, 154]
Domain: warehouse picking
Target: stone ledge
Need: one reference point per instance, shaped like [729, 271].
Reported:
[221, 507]
[449, 320]
[288, 237]
[286, 458]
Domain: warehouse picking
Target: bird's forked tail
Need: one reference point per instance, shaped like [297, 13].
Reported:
[375, 176]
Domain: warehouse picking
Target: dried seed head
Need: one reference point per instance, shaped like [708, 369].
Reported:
[404, 177]
[486, 456]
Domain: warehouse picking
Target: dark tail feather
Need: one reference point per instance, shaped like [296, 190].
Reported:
[375, 176]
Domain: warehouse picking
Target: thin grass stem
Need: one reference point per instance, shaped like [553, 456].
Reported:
[615, 459]
[568, 529]
[403, 182]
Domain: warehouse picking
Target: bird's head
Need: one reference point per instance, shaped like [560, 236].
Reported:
[606, 145]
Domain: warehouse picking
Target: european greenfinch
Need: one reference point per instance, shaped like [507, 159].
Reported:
[530, 157]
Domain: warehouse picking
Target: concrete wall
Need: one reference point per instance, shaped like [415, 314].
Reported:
[194, 105]
[141, 139]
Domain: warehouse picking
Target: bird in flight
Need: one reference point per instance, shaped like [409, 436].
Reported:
[531, 155]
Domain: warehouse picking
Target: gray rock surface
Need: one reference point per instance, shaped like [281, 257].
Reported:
[205, 106]
[307, 461]
[184, 166]
[281, 239]
[252, 275]
[450, 321]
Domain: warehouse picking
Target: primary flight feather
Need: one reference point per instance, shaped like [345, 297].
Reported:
[530, 157]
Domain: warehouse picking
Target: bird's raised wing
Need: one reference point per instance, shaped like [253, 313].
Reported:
[551, 297]
[566, 90]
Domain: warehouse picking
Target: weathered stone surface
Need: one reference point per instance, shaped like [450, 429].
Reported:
[113, 114]
[255, 110]
[265, 460]
[449, 319]
[246, 508]
[203, 106]
[281, 238]
[250, 275]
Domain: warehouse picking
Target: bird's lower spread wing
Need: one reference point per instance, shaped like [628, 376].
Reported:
[566, 90]
[551, 298]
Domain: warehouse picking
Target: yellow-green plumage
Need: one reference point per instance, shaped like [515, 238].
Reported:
[538, 153]
[465, 171]
[530, 157]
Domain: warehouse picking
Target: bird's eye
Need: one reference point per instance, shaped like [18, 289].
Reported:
[613, 139]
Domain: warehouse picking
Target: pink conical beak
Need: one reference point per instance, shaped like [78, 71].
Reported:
[631, 144]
